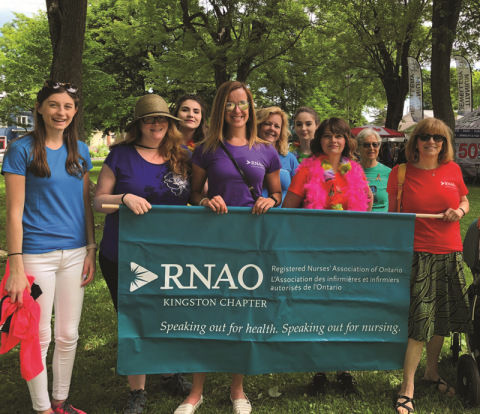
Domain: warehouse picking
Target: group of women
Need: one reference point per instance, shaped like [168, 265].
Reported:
[50, 229]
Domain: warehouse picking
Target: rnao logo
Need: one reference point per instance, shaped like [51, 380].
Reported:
[175, 273]
[448, 184]
[255, 164]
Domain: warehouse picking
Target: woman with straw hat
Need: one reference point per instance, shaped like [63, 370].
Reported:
[148, 167]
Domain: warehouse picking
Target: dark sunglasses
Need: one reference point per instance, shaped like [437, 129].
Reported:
[152, 119]
[426, 137]
[69, 87]
[369, 144]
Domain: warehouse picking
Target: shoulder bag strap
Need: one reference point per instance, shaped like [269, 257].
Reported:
[402, 169]
[250, 188]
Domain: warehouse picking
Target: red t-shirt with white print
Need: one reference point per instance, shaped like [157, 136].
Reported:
[432, 192]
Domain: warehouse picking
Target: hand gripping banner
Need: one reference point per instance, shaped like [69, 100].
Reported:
[287, 291]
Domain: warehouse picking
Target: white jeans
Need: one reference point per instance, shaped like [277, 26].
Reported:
[59, 275]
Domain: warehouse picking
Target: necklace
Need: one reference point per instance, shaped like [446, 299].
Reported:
[435, 169]
[143, 146]
[429, 169]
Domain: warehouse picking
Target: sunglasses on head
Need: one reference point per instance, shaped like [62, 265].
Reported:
[243, 105]
[152, 119]
[368, 144]
[69, 87]
[426, 137]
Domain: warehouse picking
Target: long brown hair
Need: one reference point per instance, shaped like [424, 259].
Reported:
[39, 165]
[201, 131]
[218, 126]
[281, 145]
[336, 126]
[170, 148]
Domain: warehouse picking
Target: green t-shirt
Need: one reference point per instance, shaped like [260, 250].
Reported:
[377, 180]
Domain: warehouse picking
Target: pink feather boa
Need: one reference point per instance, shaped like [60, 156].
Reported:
[317, 195]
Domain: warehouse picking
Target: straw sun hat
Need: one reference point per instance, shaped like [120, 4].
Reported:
[149, 105]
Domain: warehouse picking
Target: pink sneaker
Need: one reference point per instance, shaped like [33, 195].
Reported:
[66, 408]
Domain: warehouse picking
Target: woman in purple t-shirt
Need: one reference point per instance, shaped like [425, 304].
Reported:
[148, 167]
[233, 125]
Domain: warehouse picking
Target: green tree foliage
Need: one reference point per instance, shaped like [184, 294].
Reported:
[377, 36]
[25, 58]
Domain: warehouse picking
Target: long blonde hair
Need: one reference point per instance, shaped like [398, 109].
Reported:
[218, 126]
[170, 148]
[281, 145]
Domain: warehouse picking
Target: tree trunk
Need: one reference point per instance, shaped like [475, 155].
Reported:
[396, 90]
[444, 24]
[67, 20]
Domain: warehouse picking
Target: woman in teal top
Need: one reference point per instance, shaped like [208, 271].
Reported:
[377, 174]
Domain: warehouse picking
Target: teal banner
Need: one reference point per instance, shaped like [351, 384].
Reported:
[287, 291]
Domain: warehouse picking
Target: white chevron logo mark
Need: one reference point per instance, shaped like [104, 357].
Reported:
[142, 276]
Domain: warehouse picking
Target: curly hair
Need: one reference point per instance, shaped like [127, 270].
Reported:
[201, 131]
[170, 148]
[335, 126]
[431, 126]
[281, 145]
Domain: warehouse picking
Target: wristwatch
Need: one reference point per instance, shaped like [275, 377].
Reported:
[274, 199]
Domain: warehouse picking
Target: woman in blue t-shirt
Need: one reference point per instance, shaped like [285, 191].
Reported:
[50, 232]
[149, 167]
[272, 124]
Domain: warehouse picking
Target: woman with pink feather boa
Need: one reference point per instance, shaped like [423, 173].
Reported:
[330, 179]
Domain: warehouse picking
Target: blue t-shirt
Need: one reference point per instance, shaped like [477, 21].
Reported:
[288, 170]
[225, 180]
[54, 213]
[134, 175]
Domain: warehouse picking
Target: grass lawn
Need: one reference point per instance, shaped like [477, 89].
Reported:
[97, 389]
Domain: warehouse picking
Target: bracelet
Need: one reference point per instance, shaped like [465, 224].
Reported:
[92, 246]
[274, 199]
[123, 198]
[13, 254]
[204, 198]
[460, 208]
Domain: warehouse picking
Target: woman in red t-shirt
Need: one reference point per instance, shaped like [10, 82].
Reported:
[330, 180]
[438, 295]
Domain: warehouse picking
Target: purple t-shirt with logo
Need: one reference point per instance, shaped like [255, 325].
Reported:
[225, 180]
[156, 183]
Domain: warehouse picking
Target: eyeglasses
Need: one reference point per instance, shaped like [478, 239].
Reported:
[370, 144]
[152, 119]
[436, 137]
[242, 105]
[69, 87]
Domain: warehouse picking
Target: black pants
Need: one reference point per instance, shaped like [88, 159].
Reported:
[110, 274]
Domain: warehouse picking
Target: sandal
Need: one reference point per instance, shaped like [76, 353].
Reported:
[436, 384]
[399, 404]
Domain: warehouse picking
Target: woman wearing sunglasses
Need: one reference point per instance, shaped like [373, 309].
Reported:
[50, 233]
[438, 295]
[148, 167]
[233, 130]
[377, 174]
